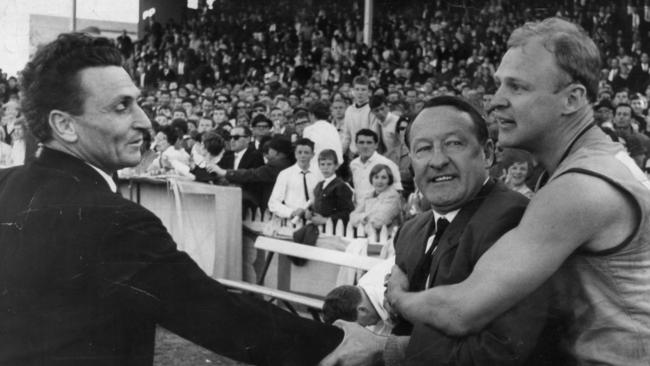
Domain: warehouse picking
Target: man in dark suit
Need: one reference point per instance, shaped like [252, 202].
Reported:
[86, 274]
[260, 179]
[241, 155]
[451, 156]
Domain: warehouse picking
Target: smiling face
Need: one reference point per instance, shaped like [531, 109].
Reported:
[449, 163]
[529, 102]
[161, 142]
[380, 181]
[517, 173]
[109, 132]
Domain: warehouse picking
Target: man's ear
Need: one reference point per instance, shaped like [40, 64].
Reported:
[63, 126]
[576, 98]
[488, 150]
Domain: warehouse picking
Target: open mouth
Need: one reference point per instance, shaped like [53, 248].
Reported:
[442, 178]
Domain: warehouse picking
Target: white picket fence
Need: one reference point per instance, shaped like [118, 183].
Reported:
[269, 224]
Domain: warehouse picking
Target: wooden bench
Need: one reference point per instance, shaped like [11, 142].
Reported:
[285, 248]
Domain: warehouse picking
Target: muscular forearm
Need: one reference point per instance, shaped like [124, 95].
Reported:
[439, 307]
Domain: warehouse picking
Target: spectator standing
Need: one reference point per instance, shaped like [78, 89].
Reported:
[367, 141]
[357, 115]
[295, 185]
[387, 123]
[322, 132]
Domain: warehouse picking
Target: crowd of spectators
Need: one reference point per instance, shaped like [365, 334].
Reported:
[250, 72]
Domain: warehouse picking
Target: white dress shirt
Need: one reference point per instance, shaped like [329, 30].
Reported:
[449, 216]
[238, 156]
[288, 192]
[109, 180]
[325, 136]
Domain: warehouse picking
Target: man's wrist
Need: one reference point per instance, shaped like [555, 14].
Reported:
[394, 352]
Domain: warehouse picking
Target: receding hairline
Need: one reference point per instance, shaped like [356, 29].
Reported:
[454, 109]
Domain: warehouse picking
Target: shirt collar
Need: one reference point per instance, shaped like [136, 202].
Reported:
[327, 181]
[109, 180]
[450, 216]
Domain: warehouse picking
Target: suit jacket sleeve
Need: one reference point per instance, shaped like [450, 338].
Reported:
[141, 266]
[262, 174]
[344, 203]
[511, 337]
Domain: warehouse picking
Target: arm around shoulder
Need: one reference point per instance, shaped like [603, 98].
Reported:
[565, 215]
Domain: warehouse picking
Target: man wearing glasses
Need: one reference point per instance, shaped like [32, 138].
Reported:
[241, 155]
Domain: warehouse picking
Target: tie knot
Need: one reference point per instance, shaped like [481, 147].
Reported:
[441, 225]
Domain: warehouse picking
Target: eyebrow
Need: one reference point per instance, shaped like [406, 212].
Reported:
[122, 98]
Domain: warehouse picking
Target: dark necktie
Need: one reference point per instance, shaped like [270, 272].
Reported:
[304, 185]
[423, 268]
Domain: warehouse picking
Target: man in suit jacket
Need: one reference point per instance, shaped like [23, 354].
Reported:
[241, 155]
[262, 178]
[332, 196]
[452, 154]
[86, 274]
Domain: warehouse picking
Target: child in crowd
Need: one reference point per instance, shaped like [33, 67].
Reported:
[332, 196]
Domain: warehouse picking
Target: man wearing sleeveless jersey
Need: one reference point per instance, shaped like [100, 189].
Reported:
[589, 217]
[588, 223]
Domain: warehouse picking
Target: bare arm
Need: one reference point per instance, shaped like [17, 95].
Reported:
[565, 215]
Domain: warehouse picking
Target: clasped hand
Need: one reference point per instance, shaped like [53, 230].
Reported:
[360, 347]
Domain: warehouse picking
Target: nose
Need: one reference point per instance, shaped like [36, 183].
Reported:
[141, 120]
[438, 159]
[498, 101]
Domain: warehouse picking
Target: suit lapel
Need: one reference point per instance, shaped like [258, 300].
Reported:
[451, 237]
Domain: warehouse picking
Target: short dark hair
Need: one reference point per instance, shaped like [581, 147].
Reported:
[360, 80]
[170, 132]
[320, 109]
[626, 105]
[378, 168]
[180, 125]
[247, 131]
[366, 132]
[259, 118]
[376, 101]
[402, 118]
[303, 141]
[328, 154]
[51, 79]
[461, 104]
[301, 113]
[341, 303]
[213, 143]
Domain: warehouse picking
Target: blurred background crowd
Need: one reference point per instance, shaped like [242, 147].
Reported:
[248, 72]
